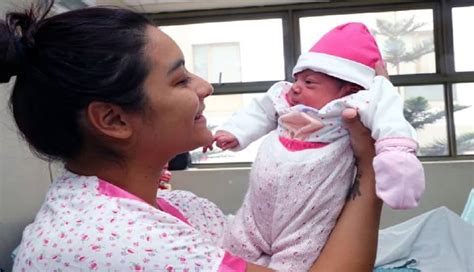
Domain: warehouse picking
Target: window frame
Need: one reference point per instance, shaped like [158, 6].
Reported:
[290, 14]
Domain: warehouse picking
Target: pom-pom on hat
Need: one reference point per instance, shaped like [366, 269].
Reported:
[348, 52]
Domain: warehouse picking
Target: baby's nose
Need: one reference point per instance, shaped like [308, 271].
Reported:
[296, 88]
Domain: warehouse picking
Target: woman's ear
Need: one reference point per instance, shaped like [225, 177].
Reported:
[109, 119]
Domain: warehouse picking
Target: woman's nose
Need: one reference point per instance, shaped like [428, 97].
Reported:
[204, 88]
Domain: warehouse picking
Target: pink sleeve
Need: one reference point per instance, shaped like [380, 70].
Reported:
[231, 263]
[399, 175]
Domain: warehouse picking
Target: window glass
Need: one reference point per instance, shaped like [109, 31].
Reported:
[424, 108]
[463, 99]
[405, 37]
[219, 108]
[236, 51]
[208, 61]
[463, 20]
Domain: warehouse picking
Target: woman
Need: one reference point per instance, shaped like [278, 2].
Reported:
[107, 93]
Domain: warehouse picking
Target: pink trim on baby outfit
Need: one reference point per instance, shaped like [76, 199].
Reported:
[111, 190]
[297, 145]
[397, 143]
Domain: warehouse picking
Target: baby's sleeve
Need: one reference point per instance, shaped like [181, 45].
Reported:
[254, 120]
[400, 179]
[383, 111]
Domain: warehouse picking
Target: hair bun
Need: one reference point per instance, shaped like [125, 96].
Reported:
[17, 36]
[9, 59]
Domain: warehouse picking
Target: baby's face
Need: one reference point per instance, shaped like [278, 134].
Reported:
[315, 89]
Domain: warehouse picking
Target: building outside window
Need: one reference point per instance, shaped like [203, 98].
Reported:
[217, 62]
[248, 52]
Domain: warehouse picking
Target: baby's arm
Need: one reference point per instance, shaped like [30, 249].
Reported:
[251, 122]
[225, 140]
[400, 179]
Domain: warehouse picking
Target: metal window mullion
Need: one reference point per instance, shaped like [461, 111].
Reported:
[289, 42]
[373, 8]
[461, 3]
[449, 109]
[446, 32]
[444, 23]
[231, 11]
[242, 88]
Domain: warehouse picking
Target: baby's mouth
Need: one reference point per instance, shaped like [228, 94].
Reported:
[289, 100]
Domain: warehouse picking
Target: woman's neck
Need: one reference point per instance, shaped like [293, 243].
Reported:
[137, 178]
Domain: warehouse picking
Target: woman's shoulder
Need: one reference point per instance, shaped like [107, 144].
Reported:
[79, 227]
[202, 214]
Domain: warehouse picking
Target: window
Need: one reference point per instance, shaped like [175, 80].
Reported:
[424, 109]
[218, 109]
[463, 96]
[405, 37]
[244, 51]
[218, 62]
[463, 20]
[253, 43]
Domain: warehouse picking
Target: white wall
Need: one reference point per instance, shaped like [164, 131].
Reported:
[448, 184]
[23, 182]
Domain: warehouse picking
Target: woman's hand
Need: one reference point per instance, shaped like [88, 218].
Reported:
[361, 140]
[352, 245]
[380, 69]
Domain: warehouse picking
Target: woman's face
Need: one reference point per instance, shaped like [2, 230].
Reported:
[173, 122]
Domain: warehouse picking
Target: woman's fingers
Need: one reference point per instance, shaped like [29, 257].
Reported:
[380, 69]
[349, 115]
[361, 140]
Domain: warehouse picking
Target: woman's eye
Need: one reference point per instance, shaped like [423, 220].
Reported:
[184, 82]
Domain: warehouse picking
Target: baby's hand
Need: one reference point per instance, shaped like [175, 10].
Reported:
[225, 140]
[208, 147]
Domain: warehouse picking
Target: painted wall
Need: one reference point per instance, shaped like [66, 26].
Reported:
[24, 180]
[448, 184]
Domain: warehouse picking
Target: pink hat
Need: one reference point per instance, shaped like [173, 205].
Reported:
[348, 52]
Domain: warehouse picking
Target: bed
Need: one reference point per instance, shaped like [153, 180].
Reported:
[439, 240]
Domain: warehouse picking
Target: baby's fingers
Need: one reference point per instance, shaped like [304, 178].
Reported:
[208, 147]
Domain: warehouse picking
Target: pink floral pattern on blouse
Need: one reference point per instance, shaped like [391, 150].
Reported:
[87, 224]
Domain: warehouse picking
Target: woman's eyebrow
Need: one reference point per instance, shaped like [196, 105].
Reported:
[176, 65]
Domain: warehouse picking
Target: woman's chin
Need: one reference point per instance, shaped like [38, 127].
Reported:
[207, 138]
[203, 138]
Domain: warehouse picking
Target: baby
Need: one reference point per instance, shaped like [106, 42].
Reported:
[304, 168]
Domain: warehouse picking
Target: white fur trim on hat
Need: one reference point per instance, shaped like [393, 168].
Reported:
[338, 67]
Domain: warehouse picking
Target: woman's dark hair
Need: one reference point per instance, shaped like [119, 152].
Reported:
[64, 62]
